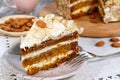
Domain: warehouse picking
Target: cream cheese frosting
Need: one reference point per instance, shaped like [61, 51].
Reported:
[76, 2]
[56, 28]
[83, 9]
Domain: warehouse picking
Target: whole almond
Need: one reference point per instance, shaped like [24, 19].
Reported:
[115, 44]
[2, 26]
[41, 24]
[100, 43]
[114, 39]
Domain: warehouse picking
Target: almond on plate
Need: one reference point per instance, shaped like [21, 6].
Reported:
[115, 44]
[114, 39]
[100, 43]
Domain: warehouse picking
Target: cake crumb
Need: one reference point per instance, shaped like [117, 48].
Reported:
[93, 21]
[100, 43]
[92, 16]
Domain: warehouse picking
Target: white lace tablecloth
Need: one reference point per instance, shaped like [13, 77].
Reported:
[103, 70]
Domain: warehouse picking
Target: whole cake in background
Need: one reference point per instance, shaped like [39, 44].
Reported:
[71, 9]
[51, 41]
[109, 10]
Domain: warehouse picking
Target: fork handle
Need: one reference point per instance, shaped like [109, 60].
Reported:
[117, 54]
[103, 57]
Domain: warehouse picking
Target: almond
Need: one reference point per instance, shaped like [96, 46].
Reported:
[29, 24]
[115, 44]
[100, 43]
[26, 28]
[17, 30]
[41, 24]
[2, 26]
[6, 28]
[114, 39]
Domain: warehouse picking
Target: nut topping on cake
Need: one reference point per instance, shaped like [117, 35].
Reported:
[41, 24]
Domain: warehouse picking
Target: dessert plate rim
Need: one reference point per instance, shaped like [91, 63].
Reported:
[14, 34]
[10, 64]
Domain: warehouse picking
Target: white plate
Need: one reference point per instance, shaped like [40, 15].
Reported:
[11, 60]
[2, 20]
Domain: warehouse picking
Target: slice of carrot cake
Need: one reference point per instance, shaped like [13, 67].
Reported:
[51, 41]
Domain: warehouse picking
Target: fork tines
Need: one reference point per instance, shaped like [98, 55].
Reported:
[76, 61]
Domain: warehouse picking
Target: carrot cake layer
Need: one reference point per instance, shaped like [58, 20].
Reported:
[49, 54]
[33, 69]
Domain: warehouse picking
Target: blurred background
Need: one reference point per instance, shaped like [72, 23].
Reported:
[4, 10]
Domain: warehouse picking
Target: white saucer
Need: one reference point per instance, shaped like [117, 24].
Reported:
[16, 34]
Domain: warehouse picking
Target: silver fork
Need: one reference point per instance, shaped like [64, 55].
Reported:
[89, 57]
